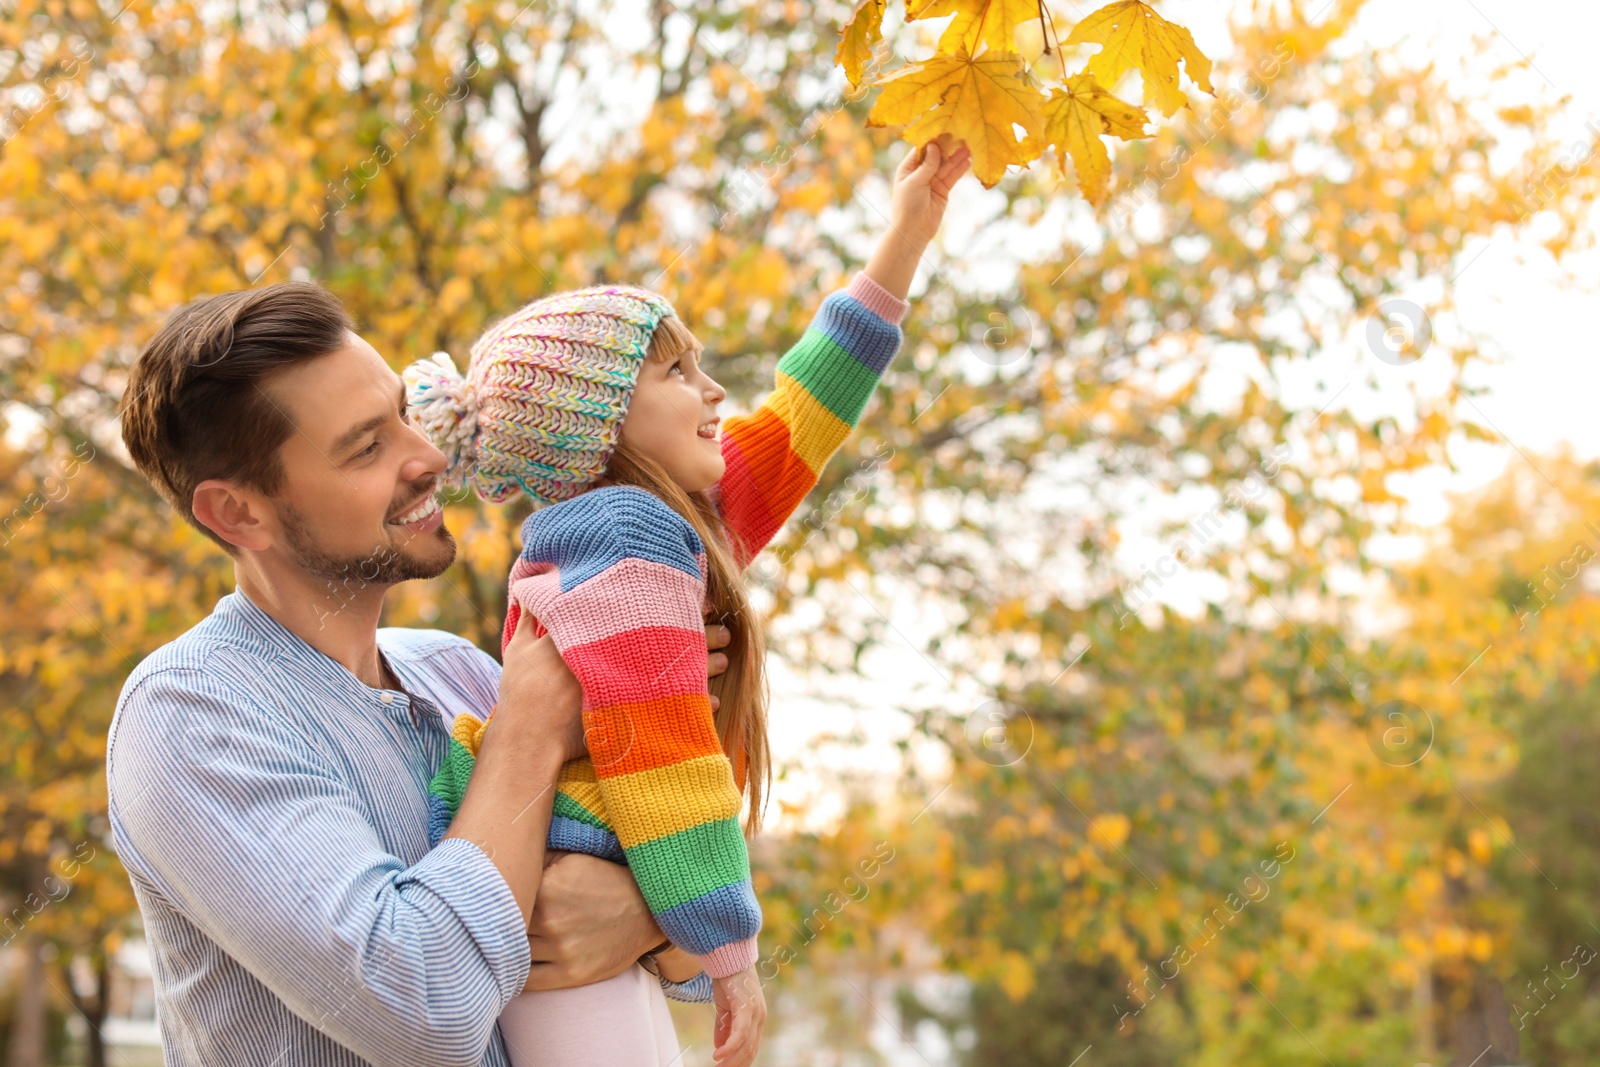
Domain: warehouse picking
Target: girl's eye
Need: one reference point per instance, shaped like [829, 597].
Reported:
[678, 366]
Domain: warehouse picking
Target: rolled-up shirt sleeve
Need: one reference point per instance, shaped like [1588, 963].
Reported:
[223, 805]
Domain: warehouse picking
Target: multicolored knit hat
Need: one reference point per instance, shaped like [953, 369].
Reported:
[541, 407]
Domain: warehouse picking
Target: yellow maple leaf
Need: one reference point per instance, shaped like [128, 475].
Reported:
[977, 22]
[1075, 119]
[976, 101]
[1133, 37]
[864, 30]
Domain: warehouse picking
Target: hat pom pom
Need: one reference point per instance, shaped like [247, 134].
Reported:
[444, 406]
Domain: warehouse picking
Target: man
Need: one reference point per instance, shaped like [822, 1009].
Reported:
[268, 770]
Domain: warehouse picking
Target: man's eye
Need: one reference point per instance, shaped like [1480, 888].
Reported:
[368, 451]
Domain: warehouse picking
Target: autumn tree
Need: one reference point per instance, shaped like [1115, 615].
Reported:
[437, 166]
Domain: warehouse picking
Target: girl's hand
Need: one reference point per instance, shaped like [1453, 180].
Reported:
[741, 1013]
[922, 184]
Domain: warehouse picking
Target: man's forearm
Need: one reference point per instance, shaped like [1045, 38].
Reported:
[506, 810]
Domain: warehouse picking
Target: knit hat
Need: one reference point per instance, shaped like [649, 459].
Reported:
[541, 406]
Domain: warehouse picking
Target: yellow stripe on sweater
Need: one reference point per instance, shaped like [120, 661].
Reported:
[665, 800]
[815, 433]
[577, 780]
[468, 729]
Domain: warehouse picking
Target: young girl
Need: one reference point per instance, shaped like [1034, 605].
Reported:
[594, 404]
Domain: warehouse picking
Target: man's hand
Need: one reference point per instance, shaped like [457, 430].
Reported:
[676, 965]
[717, 636]
[589, 923]
[536, 726]
[539, 694]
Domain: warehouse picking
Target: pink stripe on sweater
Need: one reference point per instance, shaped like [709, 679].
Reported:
[879, 301]
[629, 595]
[730, 959]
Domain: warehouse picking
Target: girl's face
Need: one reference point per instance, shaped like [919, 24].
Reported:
[672, 418]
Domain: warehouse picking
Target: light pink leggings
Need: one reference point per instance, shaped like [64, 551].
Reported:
[620, 1022]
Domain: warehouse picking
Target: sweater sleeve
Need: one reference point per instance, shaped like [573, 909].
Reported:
[617, 578]
[775, 454]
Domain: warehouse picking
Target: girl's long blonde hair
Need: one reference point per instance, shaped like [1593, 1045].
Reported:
[741, 690]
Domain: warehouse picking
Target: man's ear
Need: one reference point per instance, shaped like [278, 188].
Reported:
[236, 515]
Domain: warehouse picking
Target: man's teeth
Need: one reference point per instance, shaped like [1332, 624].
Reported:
[422, 511]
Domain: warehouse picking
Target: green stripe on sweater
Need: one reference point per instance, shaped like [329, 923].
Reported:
[571, 809]
[689, 864]
[451, 781]
[831, 374]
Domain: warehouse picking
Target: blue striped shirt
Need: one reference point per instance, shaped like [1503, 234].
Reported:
[271, 811]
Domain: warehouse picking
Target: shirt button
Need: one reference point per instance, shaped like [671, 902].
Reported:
[387, 698]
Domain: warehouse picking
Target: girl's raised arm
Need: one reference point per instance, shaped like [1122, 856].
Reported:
[776, 454]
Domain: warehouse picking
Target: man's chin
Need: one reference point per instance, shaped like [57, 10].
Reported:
[424, 555]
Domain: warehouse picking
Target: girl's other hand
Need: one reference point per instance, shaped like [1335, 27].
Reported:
[741, 1014]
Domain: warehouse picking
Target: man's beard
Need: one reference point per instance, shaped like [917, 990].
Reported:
[383, 566]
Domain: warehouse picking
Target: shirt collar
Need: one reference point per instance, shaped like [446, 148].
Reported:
[259, 623]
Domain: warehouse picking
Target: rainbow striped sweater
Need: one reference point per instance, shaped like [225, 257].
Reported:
[617, 578]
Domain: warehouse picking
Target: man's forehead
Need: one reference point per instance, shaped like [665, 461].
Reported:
[325, 396]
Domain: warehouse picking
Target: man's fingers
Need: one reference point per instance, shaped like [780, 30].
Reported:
[716, 662]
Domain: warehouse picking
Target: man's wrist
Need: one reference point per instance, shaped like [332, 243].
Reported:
[535, 754]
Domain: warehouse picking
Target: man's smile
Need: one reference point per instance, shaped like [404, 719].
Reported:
[423, 517]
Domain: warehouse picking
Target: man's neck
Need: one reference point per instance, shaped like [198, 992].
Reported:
[340, 623]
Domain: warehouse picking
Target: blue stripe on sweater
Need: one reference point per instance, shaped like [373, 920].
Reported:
[574, 836]
[595, 530]
[716, 919]
[858, 330]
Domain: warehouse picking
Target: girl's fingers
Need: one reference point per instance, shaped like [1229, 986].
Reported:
[731, 1052]
[908, 163]
[957, 163]
[953, 169]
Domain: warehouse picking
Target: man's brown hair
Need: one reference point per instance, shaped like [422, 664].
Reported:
[194, 407]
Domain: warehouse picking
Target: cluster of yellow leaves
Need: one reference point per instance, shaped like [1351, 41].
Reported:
[980, 89]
